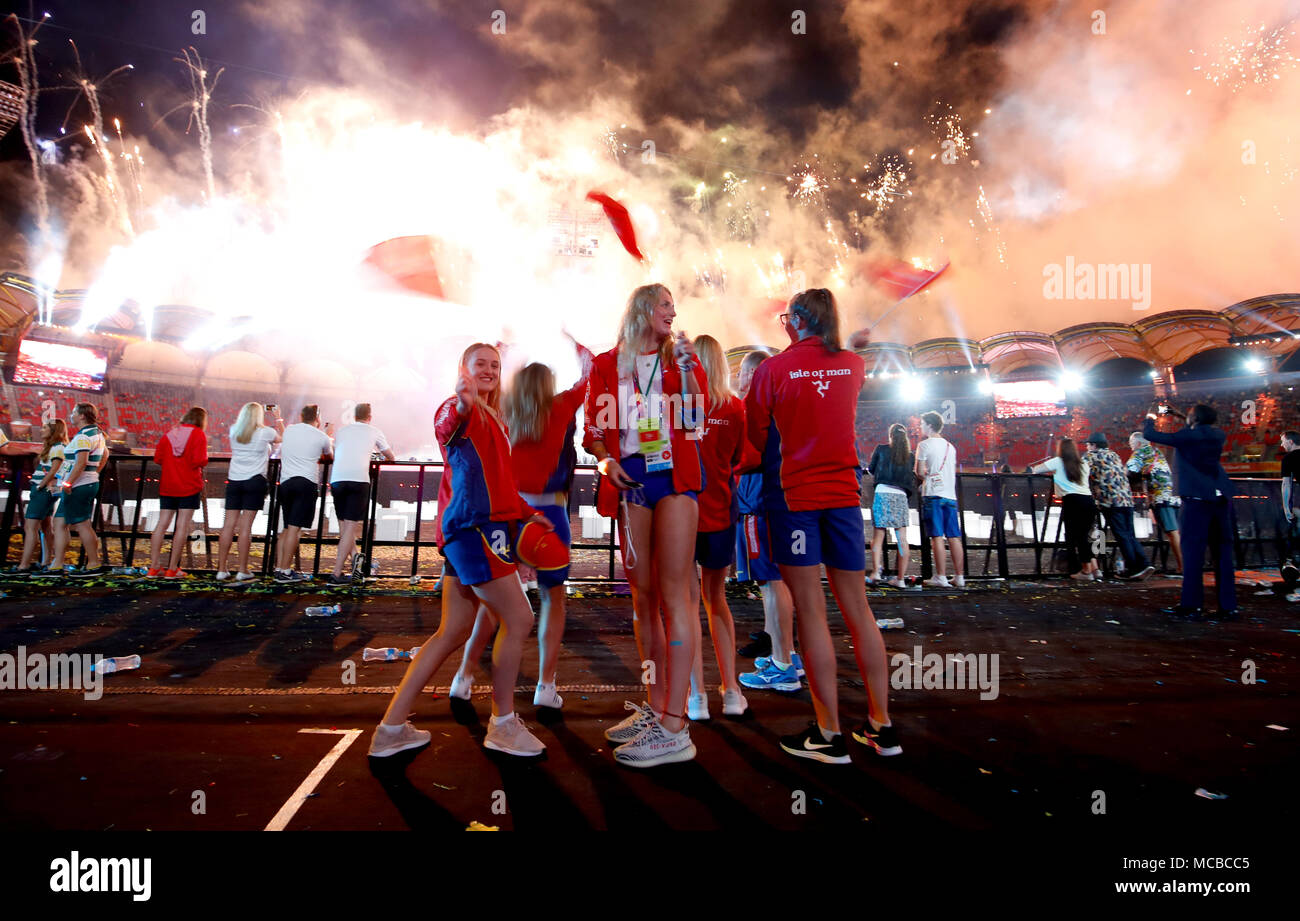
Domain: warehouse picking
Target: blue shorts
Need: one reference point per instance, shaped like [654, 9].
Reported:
[754, 551]
[78, 504]
[836, 537]
[1166, 517]
[654, 486]
[716, 549]
[940, 517]
[40, 505]
[478, 555]
[557, 515]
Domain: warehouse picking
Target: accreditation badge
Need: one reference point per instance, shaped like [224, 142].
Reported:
[654, 445]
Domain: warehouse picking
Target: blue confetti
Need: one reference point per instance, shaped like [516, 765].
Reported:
[1161, 683]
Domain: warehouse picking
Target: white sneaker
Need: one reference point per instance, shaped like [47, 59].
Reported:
[630, 728]
[900, 583]
[461, 685]
[959, 581]
[513, 738]
[874, 578]
[656, 745]
[697, 707]
[938, 582]
[734, 703]
[222, 576]
[545, 696]
[244, 577]
[389, 740]
[1082, 577]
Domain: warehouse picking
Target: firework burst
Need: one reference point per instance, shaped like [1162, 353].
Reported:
[1256, 58]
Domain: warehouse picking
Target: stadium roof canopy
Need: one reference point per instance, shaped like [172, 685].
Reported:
[1269, 325]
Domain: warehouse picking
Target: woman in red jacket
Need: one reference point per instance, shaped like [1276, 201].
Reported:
[800, 414]
[542, 455]
[182, 454]
[644, 403]
[722, 447]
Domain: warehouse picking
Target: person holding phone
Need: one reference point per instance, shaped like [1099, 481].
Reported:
[251, 441]
[644, 403]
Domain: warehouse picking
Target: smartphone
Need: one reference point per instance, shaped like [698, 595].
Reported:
[270, 409]
[633, 484]
[1164, 408]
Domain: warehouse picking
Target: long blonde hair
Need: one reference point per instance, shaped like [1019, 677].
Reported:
[56, 433]
[634, 333]
[248, 422]
[493, 399]
[527, 404]
[714, 361]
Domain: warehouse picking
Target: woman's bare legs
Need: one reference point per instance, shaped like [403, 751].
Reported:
[722, 629]
[505, 596]
[868, 644]
[550, 633]
[458, 606]
[647, 624]
[485, 627]
[778, 619]
[805, 586]
[165, 518]
[675, 520]
[181, 536]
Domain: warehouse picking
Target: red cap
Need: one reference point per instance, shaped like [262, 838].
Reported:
[541, 548]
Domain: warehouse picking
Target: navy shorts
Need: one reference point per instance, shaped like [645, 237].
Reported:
[176, 503]
[716, 549]
[558, 516]
[940, 517]
[836, 537]
[478, 555]
[77, 504]
[754, 551]
[298, 501]
[246, 495]
[350, 498]
[654, 486]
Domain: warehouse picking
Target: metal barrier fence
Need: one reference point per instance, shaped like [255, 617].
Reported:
[1010, 523]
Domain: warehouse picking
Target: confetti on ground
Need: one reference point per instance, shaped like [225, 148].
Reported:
[479, 826]
[1206, 794]
[1277, 727]
[982, 771]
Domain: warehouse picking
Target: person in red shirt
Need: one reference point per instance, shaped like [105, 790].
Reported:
[800, 413]
[722, 449]
[542, 455]
[643, 405]
[182, 453]
[479, 512]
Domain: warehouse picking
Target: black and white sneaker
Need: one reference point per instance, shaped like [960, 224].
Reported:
[89, 573]
[285, 575]
[338, 580]
[884, 740]
[47, 573]
[812, 744]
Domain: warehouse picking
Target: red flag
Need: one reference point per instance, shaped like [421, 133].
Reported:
[409, 261]
[900, 280]
[618, 216]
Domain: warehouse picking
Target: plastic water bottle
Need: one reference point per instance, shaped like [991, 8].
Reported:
[123, 664]
[388, 655]
[323, 610]
[890, 623]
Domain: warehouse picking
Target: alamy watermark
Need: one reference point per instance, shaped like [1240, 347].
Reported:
[23, 671]
[1087, 281]
[952, 672]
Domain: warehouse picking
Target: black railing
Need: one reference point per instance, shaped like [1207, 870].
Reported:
[1011, 523]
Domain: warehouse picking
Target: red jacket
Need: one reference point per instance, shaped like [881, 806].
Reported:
[800, 414]
[604, 418]
[477, 483]
[722, 448]
[547, 465]
[182, 453]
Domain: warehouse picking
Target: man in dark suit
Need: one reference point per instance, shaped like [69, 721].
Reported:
[1207, 509]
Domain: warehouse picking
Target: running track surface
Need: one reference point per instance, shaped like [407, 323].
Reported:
[241, 697]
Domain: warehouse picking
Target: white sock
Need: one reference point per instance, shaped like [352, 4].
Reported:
[826, 733]
[784, 666]
[387, 728]
[502, 720]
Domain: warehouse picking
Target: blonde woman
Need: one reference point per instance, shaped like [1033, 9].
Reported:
[643, 404]
[40, 506]
[246, 486]
[542, 456]
[722, 444]
[479, 509]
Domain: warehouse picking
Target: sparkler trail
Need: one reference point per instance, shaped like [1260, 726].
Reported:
[29, 80]
[198, 75]
[89, 89]
[1256, 59]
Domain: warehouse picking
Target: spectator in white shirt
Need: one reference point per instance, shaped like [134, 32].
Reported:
[936, 465]
[250, 447]
[302, 449]
[353, 447]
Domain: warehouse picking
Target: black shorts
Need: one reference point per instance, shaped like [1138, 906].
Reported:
[350, 498]
[175, 503]
[298, 501]
[246, 495]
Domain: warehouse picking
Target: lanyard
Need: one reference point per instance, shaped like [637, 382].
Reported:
[636, 377]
